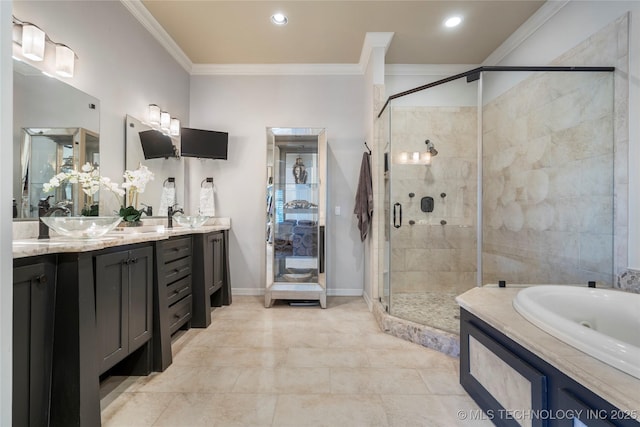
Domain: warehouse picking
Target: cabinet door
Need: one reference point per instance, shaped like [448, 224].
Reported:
[112, 307]
[140, 297]
[216, 246]
[33, 304]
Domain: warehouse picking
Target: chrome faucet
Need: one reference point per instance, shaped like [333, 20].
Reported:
[171, 211]
[45, 209]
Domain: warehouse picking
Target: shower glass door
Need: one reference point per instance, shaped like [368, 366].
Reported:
[431, 201]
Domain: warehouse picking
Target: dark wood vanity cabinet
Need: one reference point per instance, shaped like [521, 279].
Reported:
[34, 285]
[211, 281]
[103, 321]
[172, 295]
[124, 307]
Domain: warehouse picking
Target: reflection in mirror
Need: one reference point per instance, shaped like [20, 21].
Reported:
[48, 152]
[166, 188]
[55, 129]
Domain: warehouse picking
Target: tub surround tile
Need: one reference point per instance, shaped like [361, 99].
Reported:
[494, 306]
[629, 280]
[503, 382]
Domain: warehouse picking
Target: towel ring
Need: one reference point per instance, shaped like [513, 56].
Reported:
[206, 181]
[170, 180]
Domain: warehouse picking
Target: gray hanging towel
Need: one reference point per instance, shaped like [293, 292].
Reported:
[364, 197]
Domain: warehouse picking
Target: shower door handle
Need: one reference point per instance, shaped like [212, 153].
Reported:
[397, 215]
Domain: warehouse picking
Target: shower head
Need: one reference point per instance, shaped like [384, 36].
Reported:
[431, 148]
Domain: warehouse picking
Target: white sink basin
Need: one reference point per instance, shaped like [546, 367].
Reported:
[603, 323]
[81, 227]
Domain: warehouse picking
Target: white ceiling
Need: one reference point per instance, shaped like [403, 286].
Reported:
[333, 32]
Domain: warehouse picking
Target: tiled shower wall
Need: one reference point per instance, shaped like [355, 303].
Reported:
[550, 146]
[548, 181]
[429, 256]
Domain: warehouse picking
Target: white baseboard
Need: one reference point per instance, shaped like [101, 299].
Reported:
[330, 292]
[368, 300]
[247, 291]
[344, 292]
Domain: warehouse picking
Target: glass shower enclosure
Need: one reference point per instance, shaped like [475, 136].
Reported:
[520, 187]
[295, 218]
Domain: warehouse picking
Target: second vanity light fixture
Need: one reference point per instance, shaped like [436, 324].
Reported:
[163, 120]
[34, 40]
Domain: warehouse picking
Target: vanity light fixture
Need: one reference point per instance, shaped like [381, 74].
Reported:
[279, 19]
[33, 40]
[162, 121]
[33, 44]
[174, 128]
[417, 157]
[154, 114]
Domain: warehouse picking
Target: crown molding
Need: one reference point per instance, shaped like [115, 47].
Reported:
[427, 69]
[371, 41]
[274, 69]
[147, 20]
[530, 26]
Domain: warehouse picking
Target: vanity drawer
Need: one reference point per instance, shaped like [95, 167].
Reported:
[179, 314]
[174, 249]
[178, 290]
[177, 269]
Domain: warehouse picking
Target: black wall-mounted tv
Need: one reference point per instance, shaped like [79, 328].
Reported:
[205, 144]
[156, 145]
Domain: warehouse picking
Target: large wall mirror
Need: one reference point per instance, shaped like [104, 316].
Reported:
[56, 128]
[167, 187]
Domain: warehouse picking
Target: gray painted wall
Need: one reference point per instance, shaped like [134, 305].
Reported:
[245, 106]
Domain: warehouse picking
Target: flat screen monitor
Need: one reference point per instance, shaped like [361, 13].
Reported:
[205, 144]
[156, 145]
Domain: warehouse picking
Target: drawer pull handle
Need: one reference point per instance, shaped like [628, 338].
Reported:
[177, 316]
[41, 279]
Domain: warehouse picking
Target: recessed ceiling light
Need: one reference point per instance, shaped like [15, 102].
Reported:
[279, 19]
[453, 21]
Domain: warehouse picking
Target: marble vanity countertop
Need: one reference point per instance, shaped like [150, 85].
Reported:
[27, 246]
[494, 305]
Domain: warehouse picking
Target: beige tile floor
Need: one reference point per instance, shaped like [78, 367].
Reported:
[292, 366]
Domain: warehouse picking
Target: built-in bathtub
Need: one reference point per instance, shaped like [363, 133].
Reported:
[604, 323]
